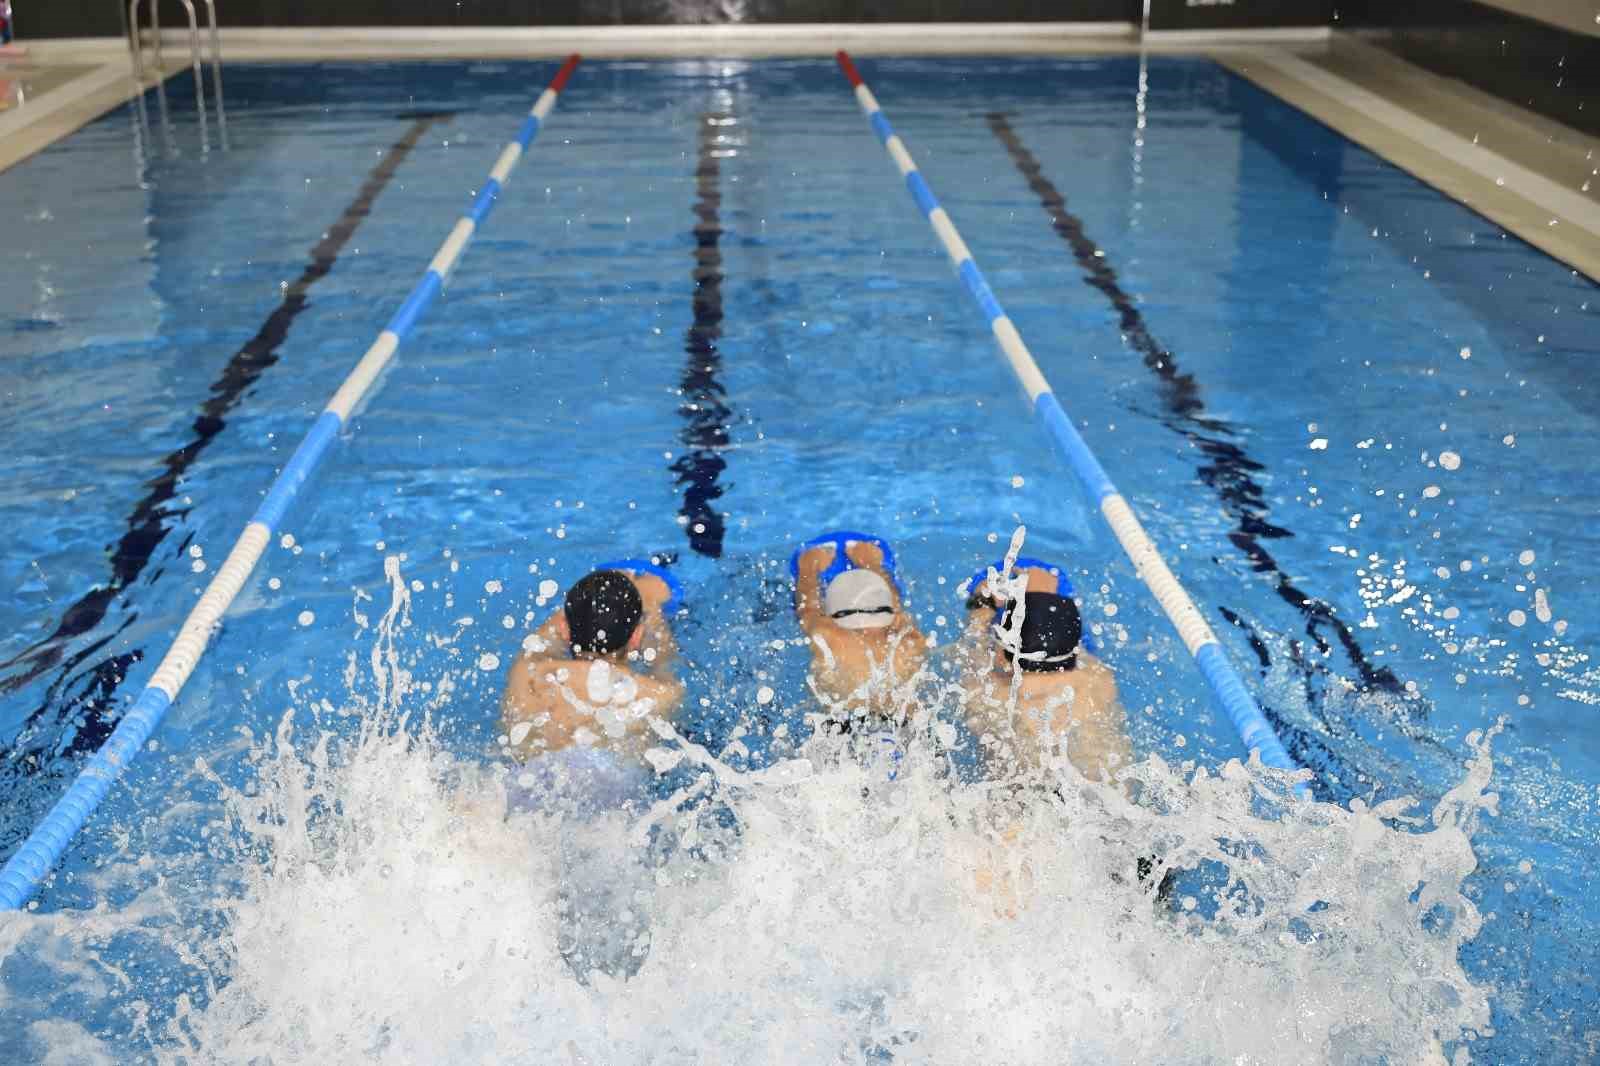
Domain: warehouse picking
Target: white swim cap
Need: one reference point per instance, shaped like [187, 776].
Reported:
[859, 599]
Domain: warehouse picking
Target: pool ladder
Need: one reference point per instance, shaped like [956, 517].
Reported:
[136, 48]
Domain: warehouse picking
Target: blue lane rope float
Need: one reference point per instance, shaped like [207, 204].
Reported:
[1226, 685]
[49, 839]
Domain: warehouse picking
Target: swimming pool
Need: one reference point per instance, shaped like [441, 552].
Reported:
[1348, 409]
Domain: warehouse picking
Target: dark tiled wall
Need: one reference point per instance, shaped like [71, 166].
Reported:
[1238, 14]
[87, 18]
[1534, 64]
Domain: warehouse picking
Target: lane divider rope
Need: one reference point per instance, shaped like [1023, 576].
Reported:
[45, 845]
[1226, 685]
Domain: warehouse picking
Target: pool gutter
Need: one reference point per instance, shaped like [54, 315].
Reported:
[1526, 193]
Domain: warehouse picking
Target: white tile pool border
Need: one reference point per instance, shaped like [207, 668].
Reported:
[753, 40]
[1559, 221]
[67, 108]
[62, 96]
[1563, 203]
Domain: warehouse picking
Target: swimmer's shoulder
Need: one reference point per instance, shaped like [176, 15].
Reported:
[1096, 685]
[1091, 667]
[1090, 680]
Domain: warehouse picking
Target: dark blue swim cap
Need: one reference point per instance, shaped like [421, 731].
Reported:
[1051, 631]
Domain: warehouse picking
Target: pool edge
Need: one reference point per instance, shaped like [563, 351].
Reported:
[1561, 223]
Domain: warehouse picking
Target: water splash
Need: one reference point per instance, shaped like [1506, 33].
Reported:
[382, 903]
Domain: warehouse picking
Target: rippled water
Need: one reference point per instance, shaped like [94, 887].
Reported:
[1359, 429]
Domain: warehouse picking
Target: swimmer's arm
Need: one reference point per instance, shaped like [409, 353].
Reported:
[970, 650]
[518, 704]
[658, 635]
[515, 702]
[1099, 746]
[666, 692]
[808, 596]
[514, 698]
[553, 634]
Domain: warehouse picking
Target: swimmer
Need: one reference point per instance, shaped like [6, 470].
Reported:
[864, 645]
[1028, 687]
[600, 667]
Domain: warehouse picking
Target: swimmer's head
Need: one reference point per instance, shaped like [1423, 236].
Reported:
[859, 599]
[1051, 630]
[603, 612]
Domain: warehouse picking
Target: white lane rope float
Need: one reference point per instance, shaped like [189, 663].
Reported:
[49, 840]
[1227, 687]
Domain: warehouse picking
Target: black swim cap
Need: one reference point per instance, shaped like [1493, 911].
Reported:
[1051, 630]
[602, 612]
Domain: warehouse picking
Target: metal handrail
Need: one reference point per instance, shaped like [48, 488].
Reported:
[196, 56]
[194, 59]
[216, 72]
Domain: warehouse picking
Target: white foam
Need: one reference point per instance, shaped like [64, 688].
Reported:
[380, 907]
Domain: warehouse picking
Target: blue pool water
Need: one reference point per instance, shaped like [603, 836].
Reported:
[1354, 414]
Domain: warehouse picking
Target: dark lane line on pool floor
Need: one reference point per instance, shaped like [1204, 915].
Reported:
[704, 409]
[148, 524]
[1229, 470]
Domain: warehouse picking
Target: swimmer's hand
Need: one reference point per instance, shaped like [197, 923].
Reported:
[1006, 883]
[653, 591]
[865, 555]
[985, 595]
[1041, 580]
